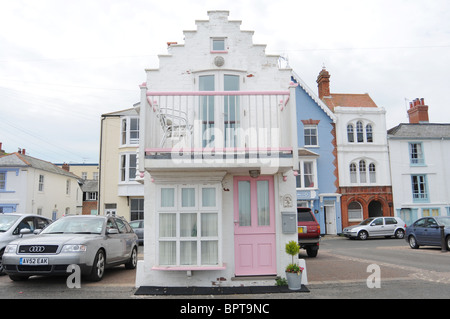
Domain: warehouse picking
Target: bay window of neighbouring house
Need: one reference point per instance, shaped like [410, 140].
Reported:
[188, 226]
[307, 176]
[130, 131]
[128, 165]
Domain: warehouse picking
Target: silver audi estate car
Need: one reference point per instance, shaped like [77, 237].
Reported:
[377, 226]
[94, 243]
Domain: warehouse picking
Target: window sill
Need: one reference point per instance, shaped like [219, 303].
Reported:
[188, 268]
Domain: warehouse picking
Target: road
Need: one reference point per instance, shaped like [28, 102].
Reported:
[340, 271]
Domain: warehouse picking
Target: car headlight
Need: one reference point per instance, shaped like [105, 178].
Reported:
[74, 248]
[10, 249]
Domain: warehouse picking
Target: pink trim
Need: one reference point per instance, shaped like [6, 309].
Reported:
[217, 93]
[223, 51]
[187, 268]
[218, 150]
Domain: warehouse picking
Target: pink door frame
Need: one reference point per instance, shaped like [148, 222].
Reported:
[254, 246]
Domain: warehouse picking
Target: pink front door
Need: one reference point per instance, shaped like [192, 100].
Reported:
[254, 226]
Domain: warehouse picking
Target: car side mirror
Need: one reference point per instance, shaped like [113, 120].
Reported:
[37, 231]
[112, 231]
[24, 231]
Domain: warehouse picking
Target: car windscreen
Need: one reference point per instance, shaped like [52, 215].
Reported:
[71, 225]
[6, 221]
[366, 221]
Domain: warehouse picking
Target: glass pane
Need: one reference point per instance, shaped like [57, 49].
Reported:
[188, 225]
[167, 252]
[188, 253]
[188, 197]
[231, 110]
[219, 45]
[167, 225]
[244, 203]
[209, 225]
[263, 203]
[206, 83]
[167, 197]
[209, 197]
[210, 253]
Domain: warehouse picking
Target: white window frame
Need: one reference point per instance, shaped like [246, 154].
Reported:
[124, 171]
[41, 183]
[125, 131]
[301, 175]
[311, 127]
[197, 209]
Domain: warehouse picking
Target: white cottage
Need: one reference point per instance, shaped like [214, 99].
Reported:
[218, 157]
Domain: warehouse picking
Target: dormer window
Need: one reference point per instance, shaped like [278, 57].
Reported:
[218, 45]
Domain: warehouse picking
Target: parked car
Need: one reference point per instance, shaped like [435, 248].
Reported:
[426, 232]
[377, 226]
[12, 223]
[308, 231]
[138, 227]
[92, 242]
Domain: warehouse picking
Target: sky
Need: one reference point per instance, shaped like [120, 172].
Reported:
[65, 63]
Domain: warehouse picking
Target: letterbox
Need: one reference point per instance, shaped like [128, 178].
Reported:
[289, 222]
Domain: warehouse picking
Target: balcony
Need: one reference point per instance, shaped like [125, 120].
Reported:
[218, 129]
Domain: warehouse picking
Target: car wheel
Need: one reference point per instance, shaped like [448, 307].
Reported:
[363, 235]
[447, 241]
[413, 242]
[131, 264]
[18, 278]
[98, 268]
[399, 234]
[2, 269]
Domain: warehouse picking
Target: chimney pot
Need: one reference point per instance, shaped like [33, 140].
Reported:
[418, 111]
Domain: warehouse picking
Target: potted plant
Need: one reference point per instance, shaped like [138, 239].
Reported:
[293, 271]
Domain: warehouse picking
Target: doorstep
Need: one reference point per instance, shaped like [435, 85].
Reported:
[153, 290]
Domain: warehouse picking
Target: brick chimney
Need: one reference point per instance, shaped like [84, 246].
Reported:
[66, 167]
[323, 81]
[418, 112]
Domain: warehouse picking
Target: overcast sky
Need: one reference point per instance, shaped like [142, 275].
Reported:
[64, 63]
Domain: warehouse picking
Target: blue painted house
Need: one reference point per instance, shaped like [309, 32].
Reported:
[317, 180]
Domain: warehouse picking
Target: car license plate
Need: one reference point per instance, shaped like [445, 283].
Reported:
[301, 230]
[34, 261]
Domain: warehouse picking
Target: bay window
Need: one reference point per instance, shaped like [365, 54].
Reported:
[188, 225]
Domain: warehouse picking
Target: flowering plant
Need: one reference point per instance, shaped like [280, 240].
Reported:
[294, 268]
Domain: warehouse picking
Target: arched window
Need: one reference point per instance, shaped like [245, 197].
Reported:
[369, 133]
[359, 132]
[350, 133]
[355, 212]
[353, 178]
[372, 173]
[362, 172]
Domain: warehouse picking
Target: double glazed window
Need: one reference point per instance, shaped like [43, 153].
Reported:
[416, 156]
[419, 188]
[188, 225]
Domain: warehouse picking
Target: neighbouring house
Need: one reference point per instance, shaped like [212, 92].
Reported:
[33, 186]
[418, 152]
[218, 156]
[89, 184]
[317, 180]
[362, 154]
[120, 193]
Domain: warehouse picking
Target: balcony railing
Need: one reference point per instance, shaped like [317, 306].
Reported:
[235, 120]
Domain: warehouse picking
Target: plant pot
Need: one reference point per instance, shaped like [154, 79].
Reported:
[294, 280]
